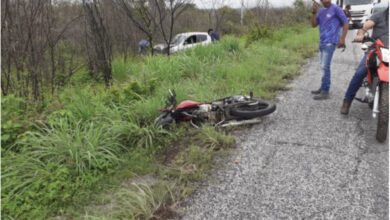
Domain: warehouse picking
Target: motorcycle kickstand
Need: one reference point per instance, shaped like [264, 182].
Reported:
[192, 123]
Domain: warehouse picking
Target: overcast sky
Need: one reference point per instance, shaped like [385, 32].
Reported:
[248, 3]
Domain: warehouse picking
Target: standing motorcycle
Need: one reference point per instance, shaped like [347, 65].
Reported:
[376, 84]
[229, 111]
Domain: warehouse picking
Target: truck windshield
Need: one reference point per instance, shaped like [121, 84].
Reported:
[357, 2]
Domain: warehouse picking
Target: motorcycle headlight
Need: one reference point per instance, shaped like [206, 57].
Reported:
[385, 54]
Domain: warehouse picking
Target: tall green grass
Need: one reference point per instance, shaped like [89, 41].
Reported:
[98, 130]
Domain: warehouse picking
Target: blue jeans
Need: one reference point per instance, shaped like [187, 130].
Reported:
[326, 54]
[357, 79]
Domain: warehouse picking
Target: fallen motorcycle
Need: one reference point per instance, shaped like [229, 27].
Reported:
[376, 84]
[229, 111]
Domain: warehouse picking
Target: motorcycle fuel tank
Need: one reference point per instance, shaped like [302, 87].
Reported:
[188, 104]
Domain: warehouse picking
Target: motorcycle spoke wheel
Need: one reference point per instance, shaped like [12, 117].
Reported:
[252, 110]
[383, 116]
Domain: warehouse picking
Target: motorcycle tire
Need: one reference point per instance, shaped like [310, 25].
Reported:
[163, 120]
[253, 110]
[383, 116]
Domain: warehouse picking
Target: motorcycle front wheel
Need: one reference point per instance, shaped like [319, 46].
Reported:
[163, 120]
[383, 117]
[254, 109]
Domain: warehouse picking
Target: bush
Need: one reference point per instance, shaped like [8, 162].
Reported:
[79, 147]
[231, 44]
[32, 189]
[12, 123]
[257, 33]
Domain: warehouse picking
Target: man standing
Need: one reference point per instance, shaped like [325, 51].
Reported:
[380, 24]
[214, 35]
[348, 13]
[330, 18]
[143, 46]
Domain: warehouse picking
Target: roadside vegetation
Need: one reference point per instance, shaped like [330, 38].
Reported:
[93, 152]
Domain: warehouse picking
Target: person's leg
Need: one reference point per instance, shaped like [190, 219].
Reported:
[321, 50]
[326, 61]
[139, 49]
[356, 80]
[354, 85]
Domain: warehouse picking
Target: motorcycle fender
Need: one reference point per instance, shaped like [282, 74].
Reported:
[383, 72]
[370, 55]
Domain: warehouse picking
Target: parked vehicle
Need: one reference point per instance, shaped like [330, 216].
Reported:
[184, 41]
[229, 111]
[377, 85]
[361, 10]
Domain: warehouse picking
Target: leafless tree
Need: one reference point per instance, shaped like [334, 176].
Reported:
[217, 12]
[168, 11]
[143, 14]
[54, 33]
[98, 41]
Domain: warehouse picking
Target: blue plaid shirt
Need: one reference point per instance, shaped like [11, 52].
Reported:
[330, 21]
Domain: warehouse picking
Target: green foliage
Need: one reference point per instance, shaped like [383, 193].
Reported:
[259, 32]
[231, 44]
[81, 77]
[12, 119]
[214, 139]
[190, 166]
[142, 201]
[32, 189]
[78, 147]
[92, 131]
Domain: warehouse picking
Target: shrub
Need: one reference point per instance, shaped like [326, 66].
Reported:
[79, 147]
[32, 189]
[230, 44]
[12, 123]
[143, 201]
[257, 33]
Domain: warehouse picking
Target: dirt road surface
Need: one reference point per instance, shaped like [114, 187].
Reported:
[305, 161]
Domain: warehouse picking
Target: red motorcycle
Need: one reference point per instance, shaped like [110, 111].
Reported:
[377, 84]
[229, 111]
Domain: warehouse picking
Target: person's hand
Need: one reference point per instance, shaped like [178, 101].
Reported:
[341, 43]
[315, 8]
[359, 38]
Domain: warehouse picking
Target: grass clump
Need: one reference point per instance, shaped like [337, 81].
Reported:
[79, 147]
[214, 139]
[143, 201]
[193, 163]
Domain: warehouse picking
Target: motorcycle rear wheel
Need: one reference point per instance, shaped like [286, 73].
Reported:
[252, 110]
[383, 116]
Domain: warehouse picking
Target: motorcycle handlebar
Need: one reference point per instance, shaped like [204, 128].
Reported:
[365, 40]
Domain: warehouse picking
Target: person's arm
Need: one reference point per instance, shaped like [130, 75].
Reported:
[366, 26]
[314, 15]
[343, 19]
[343, 35]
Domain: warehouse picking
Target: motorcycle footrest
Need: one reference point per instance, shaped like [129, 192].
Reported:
[362, 100]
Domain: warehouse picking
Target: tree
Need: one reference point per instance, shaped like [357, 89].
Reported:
[217, 12]
[170, 10]
[98, 41]
[143, 14]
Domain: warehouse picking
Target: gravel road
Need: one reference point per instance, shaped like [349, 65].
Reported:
[305, 161]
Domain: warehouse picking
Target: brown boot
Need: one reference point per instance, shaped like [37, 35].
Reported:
[345, 108]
